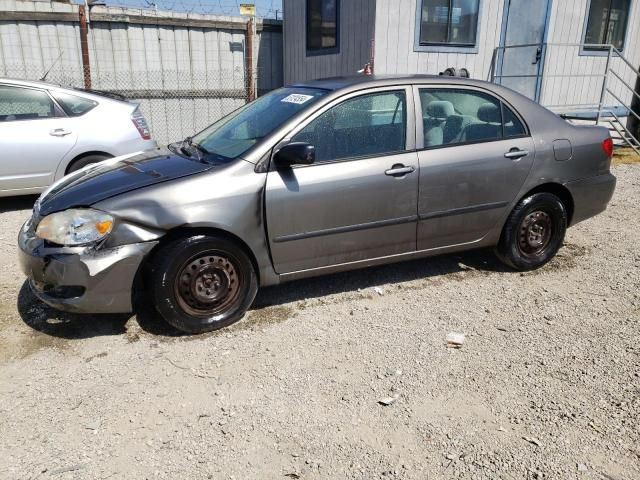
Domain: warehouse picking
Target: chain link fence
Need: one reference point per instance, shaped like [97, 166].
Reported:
[184, 70]
[176, 104]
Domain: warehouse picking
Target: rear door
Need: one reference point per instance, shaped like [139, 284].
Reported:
[359, 200]
[35, 135]
[476, 154]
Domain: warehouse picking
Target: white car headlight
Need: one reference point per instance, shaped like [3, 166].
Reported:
[77, 226]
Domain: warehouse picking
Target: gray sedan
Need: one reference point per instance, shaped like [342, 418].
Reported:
[314, 178]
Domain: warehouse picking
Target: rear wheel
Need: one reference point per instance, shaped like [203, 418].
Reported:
[84, 161]
[202, 283]
[534, 232]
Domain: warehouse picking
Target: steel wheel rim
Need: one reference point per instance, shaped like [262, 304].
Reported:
[207, 284]
[534, 235]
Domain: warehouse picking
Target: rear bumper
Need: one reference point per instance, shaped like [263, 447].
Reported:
[591, 196]
[84, 279]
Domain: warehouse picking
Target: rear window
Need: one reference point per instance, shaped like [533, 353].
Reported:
[72, 105]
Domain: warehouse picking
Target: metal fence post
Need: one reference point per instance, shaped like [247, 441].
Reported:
[84, 46]
[604, 84]
[249, 60]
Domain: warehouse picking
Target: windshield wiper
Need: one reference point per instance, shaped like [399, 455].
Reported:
[199, 147]
[182, 147]
[179, 147]
[194, 150]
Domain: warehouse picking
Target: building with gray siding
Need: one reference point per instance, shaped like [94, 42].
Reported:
[324, 38]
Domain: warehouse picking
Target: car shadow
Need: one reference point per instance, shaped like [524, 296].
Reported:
[13, 204]
[50, 321]
[351, 281]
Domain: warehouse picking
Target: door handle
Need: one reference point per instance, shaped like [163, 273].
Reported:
[516, 153]
[538, 56]
[399, 170]
[59, 132]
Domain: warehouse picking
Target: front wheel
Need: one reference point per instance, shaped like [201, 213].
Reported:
[534, 232]
[202, 283]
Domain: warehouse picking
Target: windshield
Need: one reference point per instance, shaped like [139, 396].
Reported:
[236, 133]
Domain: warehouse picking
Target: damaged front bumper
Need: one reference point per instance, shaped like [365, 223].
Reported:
[86, 279]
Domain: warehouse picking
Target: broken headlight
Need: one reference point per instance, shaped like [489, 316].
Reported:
[77, 226]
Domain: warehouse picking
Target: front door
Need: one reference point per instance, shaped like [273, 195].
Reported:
[34, 137]
[477, 155]
[525, 24]
[359, 199]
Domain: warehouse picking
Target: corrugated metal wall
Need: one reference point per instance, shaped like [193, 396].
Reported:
[357, 18]
[30, 46]
[184, 76]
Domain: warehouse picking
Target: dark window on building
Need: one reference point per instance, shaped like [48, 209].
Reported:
[322, 26]
[449, 22]
[607, 23]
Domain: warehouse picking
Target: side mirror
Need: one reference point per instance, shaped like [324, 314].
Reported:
[296, 153]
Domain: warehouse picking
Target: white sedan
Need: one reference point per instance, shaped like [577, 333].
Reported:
[47, 131]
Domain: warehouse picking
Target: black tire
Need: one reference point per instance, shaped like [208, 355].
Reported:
[84, 161]
[202, 283]
[533, 233]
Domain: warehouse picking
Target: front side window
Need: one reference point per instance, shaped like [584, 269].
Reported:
[368, 125]
[24, 104]
[453, 117]
[449, 22]
[607, 23]
[233, 135]
[322, 26]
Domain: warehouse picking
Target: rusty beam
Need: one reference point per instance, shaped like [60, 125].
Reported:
[249, 62]
[38, 17]
[106, 17]
[84, 45]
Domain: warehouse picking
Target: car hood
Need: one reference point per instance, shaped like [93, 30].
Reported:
[107, 179]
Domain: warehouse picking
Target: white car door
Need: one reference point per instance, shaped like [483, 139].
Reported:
[35, 135]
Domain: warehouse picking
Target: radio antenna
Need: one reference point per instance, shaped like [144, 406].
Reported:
[44, 77]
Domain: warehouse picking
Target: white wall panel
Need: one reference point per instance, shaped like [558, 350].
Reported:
[395, 27]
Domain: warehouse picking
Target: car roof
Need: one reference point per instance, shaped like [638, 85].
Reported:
[95, 95]
[28, 83]
[372, 81]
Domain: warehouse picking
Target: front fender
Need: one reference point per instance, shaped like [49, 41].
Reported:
[228, 198]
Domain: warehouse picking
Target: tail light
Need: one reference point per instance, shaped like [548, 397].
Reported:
[607, 146]
[141, 124]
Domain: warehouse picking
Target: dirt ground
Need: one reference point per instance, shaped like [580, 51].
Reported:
[546, 385]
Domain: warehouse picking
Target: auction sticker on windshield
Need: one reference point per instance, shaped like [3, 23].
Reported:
[297, 98]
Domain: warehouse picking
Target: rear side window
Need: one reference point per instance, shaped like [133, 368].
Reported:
[17, 103]
[452, 117]
[72, 105]
[368, 125]
[512, 125]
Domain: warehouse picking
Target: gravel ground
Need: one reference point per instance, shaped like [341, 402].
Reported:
[546, 385]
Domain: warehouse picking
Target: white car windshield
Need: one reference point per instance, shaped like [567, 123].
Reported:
[233, 135]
